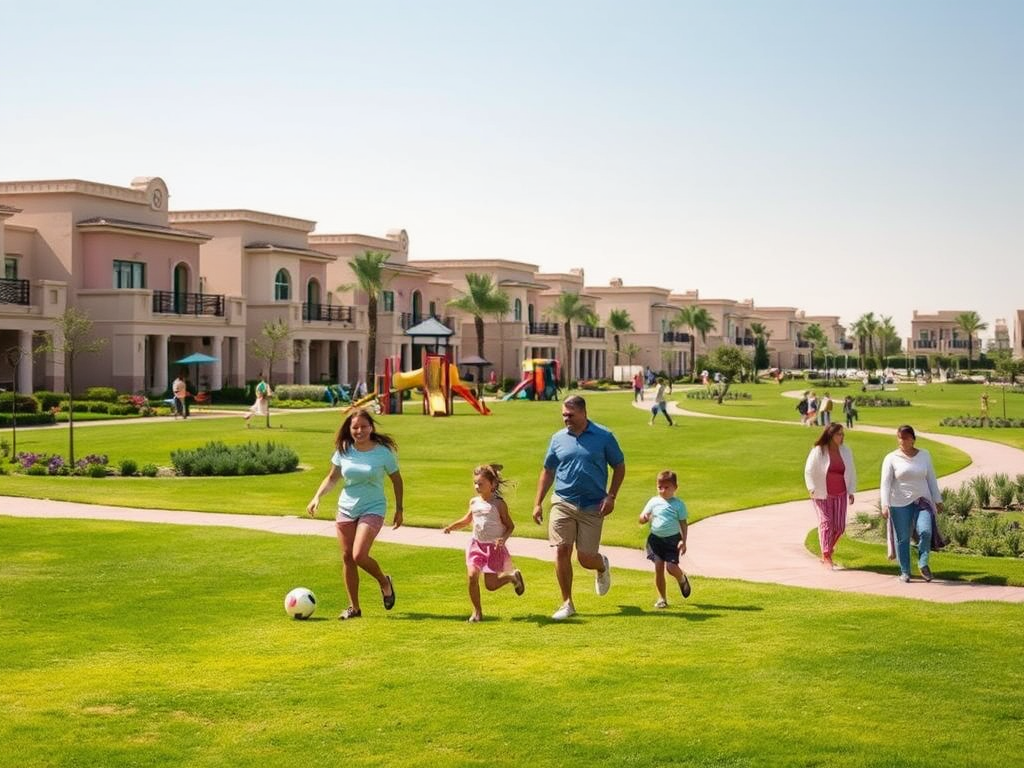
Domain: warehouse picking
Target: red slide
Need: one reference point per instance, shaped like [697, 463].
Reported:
[466, 395]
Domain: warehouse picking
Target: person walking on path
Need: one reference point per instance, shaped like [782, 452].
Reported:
[910, 496]
[261, 407]
[849, 411]
[831, 479]
[362, 457]
[179, 390]
[487, 552]
[660, 405]
[666, 542]
[801, 408]
[576, 463]
[825, 413]
[638, 387]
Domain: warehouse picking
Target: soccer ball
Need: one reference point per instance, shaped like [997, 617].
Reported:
[300, 603]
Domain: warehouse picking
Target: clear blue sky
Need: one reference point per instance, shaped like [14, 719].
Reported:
[841, 157]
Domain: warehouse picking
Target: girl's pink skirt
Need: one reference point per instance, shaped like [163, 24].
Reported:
[488, 557]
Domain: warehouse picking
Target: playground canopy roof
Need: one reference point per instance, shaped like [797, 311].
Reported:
[430, 331]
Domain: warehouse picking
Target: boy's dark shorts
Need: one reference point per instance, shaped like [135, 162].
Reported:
[664, 549]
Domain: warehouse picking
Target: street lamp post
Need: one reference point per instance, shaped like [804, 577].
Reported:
[14, 358]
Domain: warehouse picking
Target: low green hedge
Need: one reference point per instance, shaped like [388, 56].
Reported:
[218, 459]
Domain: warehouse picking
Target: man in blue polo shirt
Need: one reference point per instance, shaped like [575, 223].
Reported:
[577, 464]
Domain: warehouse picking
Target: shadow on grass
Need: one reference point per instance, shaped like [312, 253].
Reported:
[960, 576]
[460, 617]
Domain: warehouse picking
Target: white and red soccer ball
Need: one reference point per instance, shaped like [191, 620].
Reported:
[300, 603]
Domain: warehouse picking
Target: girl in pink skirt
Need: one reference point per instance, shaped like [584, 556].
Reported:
[492, 526]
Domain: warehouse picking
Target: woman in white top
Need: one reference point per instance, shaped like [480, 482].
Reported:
[909, 486]
[831, 480]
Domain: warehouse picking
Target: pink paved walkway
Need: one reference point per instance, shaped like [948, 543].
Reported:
[765, 544]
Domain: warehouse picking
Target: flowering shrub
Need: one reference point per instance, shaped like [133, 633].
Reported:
[43, 464]
[977, 422]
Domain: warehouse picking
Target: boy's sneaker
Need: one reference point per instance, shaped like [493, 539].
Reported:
[684, 586]
[564, 612]
[603, 580]
[661, 603]
[905, 578]
[926, 573]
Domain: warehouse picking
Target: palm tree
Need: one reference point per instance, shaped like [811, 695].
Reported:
[482, 298]
[619, 322]
[888, 338]
[570, 309]
[370, 278]
[970, 323]
[631, 350]
[864, 328]
[816, 336]
[761, 336]
[696, 319]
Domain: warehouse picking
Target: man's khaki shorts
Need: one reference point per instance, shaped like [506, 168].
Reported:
[569, 525]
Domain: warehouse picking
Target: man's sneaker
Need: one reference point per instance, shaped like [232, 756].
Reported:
[603, 580]
[684, 586]
[905, 578]
[564, 612]
[926, 573]
[661, 603]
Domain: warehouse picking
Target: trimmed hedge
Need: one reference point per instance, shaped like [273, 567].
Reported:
[28, 419]
[218, 459]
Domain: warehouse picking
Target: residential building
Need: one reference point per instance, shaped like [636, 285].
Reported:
[938, 334]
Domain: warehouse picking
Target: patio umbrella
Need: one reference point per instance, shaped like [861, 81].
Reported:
[196, 359]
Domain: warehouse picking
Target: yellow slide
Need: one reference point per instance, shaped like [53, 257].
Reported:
[436, 401]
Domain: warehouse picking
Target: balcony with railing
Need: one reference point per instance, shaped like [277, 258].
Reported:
[801, 344]
[744, 341]
[589, 332]
[13, 291]
[960, 344]
[925, 343]
[672, 336]
[327, 313]
[197, 304]
[544, 329]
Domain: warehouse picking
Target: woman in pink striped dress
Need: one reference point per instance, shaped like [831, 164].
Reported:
[831, 479]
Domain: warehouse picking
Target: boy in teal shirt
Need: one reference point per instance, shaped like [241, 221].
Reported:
[667, 540]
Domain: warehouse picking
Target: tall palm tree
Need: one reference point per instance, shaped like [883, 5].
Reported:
[816, 336]
[970, 323]
[698, 320]
[761, 337]
[864, 328]
[619, 322]
[888, 338]
[483, 297]
[570, 310]
[371, 279]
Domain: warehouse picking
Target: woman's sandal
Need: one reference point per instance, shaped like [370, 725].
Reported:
[350, 613]
[389, 600]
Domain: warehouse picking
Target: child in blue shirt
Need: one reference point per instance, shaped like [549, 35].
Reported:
[667, 540]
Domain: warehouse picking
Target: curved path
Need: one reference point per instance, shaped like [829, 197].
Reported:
[764, 544]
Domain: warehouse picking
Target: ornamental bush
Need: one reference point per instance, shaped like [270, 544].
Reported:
[218, 459]
[106, 394]
[880, 402]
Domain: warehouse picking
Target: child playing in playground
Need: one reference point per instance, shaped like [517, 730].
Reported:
[487, 553]
[667, 540]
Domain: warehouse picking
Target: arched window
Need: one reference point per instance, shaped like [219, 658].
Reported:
[518, 310]
[313, 293]
[180, 283]
[417, 306]
[282, 286]
[529, 313]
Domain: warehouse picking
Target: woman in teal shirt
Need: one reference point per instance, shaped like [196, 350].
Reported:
[362, 457]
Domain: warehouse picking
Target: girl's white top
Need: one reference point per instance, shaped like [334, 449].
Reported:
[905, 479]
[487, 525]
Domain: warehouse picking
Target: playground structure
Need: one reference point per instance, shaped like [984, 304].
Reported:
[539, 382]
[438, 379]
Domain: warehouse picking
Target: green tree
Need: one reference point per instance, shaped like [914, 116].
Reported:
[817, 338]
[271, 346]
[864, 329]
[619, 322]
[732, 363]
[888, 338]
[698, 320]
[482, 298]
[761, 336]
[71, 338]
[631, 350]
[970, 323]
[570, 310]
[370, 279]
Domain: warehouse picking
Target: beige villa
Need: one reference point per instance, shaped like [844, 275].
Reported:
[162, 284]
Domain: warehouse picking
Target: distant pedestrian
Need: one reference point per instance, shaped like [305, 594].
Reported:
[849, 411]
[660, 406]
[261, 407]
[179, 390]
[638, 386]
[801, 408]
[825, 411]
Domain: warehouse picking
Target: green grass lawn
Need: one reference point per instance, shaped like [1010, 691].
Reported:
[136, 645]
[722, 465]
